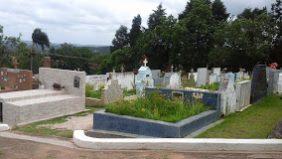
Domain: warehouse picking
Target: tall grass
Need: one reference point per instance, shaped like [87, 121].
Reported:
[90, 92]
[156, 107]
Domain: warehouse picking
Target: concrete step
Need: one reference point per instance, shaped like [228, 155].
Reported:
[42, 99]
[29, 94]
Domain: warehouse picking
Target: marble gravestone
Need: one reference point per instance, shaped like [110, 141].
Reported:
[175, 81]
[113, 92]
[217, 71]
[280, 83]
[259, 83]
[228, 98]
[202, 77]
[144, 79]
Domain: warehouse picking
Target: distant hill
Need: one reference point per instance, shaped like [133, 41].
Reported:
[94, 48]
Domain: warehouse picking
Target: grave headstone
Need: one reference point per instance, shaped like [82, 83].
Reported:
[202, 77]
[216, 70]
[175, 81]
[166, 78]
[213, 78]
[228, 98]
[143, 79]
[113, 92]
[280, 83]
[259, 83]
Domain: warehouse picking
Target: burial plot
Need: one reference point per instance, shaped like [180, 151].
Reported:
[259, 83]
[202, 77]
[23, 107]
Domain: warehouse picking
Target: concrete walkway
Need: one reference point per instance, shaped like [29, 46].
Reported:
[52, 141]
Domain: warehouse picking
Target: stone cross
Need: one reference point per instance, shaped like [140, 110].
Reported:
[145, 62]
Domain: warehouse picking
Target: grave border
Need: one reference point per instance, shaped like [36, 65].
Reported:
[147, 127]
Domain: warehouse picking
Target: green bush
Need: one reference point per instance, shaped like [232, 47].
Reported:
[157, 107]
[90, 92]
[212, 87]
[129, 92]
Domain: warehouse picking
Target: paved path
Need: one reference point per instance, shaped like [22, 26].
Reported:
[24, 149]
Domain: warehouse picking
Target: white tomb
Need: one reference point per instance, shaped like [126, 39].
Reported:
[23, 107]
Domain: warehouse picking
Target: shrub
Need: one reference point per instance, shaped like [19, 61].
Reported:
[212, 87]
[90, 92]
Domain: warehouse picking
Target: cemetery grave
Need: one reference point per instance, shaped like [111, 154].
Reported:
[63, 94]
[112, 92]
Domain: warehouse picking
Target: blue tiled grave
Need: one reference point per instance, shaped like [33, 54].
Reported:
[147, 127]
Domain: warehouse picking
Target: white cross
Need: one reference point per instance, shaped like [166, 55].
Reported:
[145, 62]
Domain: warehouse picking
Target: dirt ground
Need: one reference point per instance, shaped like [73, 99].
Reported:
[21, 149]
[75, 123]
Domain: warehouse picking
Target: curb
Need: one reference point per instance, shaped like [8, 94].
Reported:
[4, 127]
[179, 144]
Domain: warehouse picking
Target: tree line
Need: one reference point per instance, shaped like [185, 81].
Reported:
[204, 34]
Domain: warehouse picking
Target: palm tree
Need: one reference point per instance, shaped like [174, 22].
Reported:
[38, 38]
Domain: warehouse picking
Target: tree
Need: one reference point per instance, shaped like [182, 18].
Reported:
[194, 34]
[135, 30]
[276, 14]
[71, 57]
[188, 8]
[252, 14]
[121, 39]
[156, 17]
[40, 38]
[219, 11]
[242, 43]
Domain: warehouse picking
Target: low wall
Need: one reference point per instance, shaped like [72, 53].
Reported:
[94, 102]
[241, 145]
[243, 94]
[147, 127]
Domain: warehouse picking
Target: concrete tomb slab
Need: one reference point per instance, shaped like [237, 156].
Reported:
[24, 107]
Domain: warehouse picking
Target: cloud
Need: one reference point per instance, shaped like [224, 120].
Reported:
[89, 21]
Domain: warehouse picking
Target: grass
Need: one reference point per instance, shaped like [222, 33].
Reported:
[156, 107]
[129, 92]
[39, 129]
[257, 121]
[90, 92]
[212, 87]
[188, 82]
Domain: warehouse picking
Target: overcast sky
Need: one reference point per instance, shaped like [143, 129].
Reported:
[89, 21]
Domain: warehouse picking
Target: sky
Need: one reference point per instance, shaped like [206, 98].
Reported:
[90, 22]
